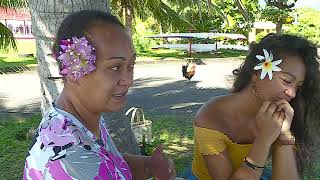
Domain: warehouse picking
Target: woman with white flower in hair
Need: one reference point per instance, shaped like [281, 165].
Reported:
[274, 101]
[96, 58]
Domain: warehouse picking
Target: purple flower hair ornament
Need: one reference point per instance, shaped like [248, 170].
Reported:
[77, 57]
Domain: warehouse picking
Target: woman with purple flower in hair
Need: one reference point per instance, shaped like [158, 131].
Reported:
[96, 59]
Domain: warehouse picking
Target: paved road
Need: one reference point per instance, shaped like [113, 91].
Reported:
[158, 88]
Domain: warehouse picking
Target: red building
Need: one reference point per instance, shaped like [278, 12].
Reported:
[18, 21]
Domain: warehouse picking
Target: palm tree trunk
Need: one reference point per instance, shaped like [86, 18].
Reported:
[243, 10]
[46, 16]
[128, 16]
[279, 27]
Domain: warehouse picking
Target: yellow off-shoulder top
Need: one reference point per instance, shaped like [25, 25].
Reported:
[212, 142]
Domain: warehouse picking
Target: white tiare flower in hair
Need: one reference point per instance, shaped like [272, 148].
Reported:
[267, 64]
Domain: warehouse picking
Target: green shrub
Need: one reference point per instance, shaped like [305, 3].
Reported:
[261, 35]
[140, 31]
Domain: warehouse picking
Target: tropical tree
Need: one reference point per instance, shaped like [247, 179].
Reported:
[237, 16]
[46, 17]
[308, 24]
[184, 15]
[7, 40]
[278, 11]
[160, 10]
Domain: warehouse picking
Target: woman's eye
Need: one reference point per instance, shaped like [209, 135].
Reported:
[115, 68]
[286, 81]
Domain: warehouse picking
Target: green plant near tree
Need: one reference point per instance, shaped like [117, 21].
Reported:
[141, 30]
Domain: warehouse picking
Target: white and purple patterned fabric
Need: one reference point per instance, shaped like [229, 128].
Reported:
[65, 149]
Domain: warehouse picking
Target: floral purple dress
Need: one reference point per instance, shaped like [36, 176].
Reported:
[64, 149]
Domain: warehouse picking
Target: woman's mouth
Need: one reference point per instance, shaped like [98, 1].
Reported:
[120, 96]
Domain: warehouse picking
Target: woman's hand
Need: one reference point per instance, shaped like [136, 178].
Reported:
[284, 106]
[159, 167]
[285, 137]
[269, 122]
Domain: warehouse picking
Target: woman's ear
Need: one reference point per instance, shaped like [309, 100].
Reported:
[72, 80]
[254, 77]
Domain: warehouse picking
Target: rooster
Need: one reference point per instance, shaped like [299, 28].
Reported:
[188, 71]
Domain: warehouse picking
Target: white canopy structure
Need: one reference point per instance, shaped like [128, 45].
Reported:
[200, 47]
[199, 35]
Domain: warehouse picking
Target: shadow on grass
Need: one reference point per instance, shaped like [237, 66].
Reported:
[16, 64]
[176, 135]
[14, 143]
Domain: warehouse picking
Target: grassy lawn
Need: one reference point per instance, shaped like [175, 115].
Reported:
[14, 144]
[167, 53]
[14, 61]
[24, 46]
[176, 136]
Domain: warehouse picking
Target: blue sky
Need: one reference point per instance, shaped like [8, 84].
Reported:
[303, 3]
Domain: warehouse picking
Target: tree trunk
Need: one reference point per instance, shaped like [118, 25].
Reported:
[279, 27]
[46, 16]
[122, 11]
[199, 10]
[128, 16]
[243, 10]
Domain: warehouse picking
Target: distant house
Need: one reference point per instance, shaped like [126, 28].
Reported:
[18, 21]
[258, 27]
[268, 27]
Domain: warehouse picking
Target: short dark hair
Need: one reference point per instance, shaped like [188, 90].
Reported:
[306, 104]
[78, 23]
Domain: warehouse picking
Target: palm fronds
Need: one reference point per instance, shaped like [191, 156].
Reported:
[13, 3]
[7, 40]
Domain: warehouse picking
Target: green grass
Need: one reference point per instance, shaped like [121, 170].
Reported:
[14, 61]
[13, 58]
[176, 136]
[14, 144]
[168, 53]
[24, 46]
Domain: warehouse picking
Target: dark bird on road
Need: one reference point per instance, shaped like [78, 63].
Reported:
[188, 70]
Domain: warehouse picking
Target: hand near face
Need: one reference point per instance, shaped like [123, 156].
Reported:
[284, 106]
[160, 167]
[269, 122]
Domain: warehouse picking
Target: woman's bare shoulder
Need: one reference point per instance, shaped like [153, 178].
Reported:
[213, 113]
